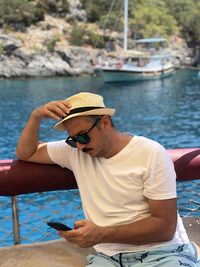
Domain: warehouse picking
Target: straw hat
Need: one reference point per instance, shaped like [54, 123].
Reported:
[83, 104]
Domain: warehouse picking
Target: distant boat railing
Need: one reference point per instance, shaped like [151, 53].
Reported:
[19, 177]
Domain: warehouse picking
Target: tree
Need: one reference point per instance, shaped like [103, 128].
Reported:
[148, 20]
[19, 14]
[195, 25]
[182, 10]
[187, 14]
[98, 8]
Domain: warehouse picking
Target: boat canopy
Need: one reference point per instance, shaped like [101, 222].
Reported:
[151, 40]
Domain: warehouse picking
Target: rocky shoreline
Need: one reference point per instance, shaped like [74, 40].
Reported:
[66, 61]
[26, 54]
[69, 61]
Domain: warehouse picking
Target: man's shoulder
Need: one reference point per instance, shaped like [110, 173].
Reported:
[146, 142]
[56, 144]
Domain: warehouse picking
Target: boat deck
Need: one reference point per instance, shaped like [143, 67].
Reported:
[60, 253]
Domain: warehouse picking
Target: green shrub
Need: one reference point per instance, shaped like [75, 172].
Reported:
[1, 48]
[98, 8]
[54, 7]
[77, 36]
[95, 40]
[93, 13]
[19, 14]
[110, 22]
[50, 43]
[80, 36]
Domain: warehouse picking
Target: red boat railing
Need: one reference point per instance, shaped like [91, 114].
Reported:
[19, 177]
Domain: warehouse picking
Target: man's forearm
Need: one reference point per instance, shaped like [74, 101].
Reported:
[148, 230]
[28, 141]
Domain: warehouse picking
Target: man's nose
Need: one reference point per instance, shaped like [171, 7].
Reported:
[80, 146]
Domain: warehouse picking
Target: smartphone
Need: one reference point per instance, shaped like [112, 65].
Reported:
[59, 226]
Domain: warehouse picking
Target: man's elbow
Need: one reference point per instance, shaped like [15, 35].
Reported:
[22, 155]
[168, 233]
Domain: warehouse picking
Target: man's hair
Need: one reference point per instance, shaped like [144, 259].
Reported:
[93, 118]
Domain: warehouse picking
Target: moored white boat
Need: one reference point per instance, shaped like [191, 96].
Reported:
[150, 60]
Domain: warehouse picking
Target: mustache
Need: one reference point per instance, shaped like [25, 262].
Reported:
[85, 150]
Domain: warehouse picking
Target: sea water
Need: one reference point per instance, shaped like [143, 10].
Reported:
[166, 110]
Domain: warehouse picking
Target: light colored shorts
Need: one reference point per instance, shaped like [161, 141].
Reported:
[175, 255]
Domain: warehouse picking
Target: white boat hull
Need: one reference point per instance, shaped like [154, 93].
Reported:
[119, 75]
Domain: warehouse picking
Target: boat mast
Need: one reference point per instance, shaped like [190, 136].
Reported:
[125, 24]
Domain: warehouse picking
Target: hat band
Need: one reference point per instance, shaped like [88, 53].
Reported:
[79, 110]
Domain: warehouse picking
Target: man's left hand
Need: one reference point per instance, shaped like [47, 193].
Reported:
[85, 234]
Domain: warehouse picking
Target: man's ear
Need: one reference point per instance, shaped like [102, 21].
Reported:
[106, 121]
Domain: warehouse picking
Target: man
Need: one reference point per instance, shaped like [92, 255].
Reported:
[127, 185]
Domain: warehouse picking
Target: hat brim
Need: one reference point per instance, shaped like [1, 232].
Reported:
[100, 111]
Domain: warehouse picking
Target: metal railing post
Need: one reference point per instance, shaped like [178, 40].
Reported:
[15, 220]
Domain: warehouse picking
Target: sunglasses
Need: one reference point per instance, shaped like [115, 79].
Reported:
[81, 138]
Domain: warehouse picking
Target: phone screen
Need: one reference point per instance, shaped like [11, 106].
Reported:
[59, 226]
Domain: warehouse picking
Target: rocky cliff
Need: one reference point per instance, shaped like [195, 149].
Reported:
[44, 50]
[30, 54]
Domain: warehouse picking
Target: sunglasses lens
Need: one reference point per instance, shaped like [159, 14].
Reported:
[83, 139]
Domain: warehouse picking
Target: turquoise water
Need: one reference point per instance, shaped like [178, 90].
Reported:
[165, 110]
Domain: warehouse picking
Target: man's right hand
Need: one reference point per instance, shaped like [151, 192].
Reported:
[52, 110]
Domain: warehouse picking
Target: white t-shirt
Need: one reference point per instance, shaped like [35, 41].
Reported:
[114, 191]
